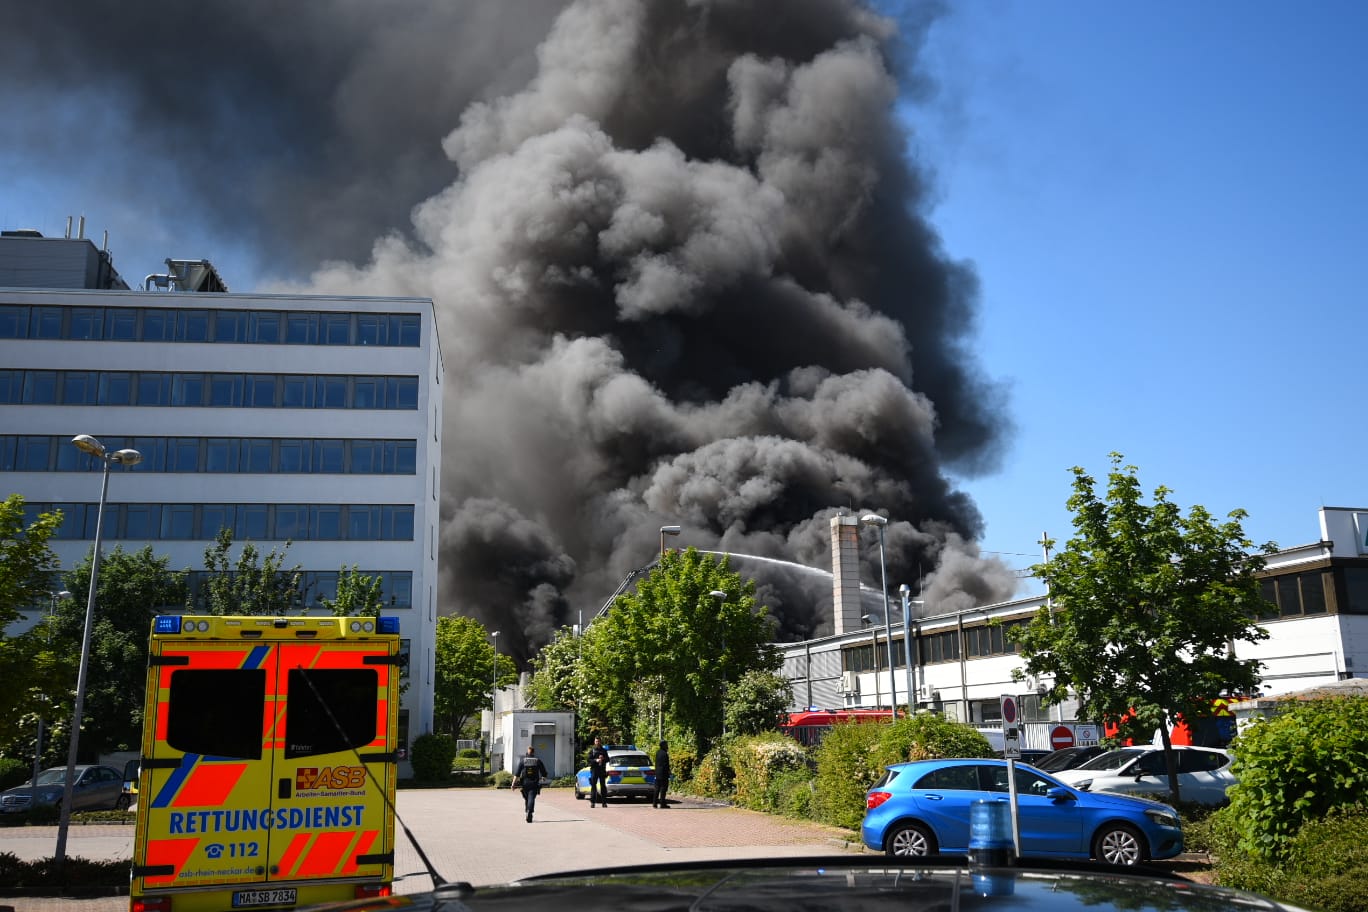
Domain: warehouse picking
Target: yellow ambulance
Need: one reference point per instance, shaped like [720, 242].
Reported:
[269, 762]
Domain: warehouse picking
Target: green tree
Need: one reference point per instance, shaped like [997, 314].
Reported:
[251, 585]
[758, 703]
[26, 561]
[358, 595]
[1146, 604]
[559, 684]
[133, 587]
[27, 567]
[672, 629]
[465, 672]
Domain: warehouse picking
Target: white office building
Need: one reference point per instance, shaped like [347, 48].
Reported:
[304, 419]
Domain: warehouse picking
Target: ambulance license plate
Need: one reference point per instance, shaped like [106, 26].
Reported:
[248, 899]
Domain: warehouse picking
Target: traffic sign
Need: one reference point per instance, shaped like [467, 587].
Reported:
[1009, 710]
[1011, 743]
[1061, 736]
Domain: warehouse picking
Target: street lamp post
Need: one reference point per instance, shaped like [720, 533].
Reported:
[494, 699]
[906, 592]
[664, 531]
[42, 720]
[874, 519]
[721, 598]
[86, 444]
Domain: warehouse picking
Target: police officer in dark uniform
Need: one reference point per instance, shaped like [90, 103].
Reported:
[531, 772]
[598, 773]
[662, 776]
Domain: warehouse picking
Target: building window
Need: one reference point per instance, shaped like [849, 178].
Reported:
[121, 324]
[154, 389]
[14, 321]
[47, 322]
[335, 328]
[87, 323]
[256, 456]
[248, 455]
[296, 455]
[230, 326]
[80, 388]
[192, 326]
[301, 328]
[1296, 594]
[263, 326]
[1355, 590]
[116, 388]
[158, 325]
[325, 522]
[40, 387]
[187, 389]
[940, 647]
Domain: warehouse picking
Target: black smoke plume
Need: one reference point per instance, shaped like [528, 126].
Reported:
[679, 251]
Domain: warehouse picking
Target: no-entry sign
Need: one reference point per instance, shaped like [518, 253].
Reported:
[1061, 736]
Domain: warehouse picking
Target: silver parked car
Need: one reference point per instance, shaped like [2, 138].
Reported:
[1203, 773]
[97, 788]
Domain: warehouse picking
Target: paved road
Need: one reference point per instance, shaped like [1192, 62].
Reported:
[480, 836]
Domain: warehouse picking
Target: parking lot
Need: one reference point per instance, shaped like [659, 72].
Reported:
[480, 836]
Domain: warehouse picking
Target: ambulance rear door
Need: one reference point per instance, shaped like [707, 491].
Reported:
[268, 759]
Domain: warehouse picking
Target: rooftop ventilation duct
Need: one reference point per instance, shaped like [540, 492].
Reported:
[187, 275]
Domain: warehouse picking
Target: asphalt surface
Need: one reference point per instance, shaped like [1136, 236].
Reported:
[481, 836]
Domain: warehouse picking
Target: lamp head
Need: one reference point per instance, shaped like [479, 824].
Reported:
[905, 590]
[87, 444]
[669, 530]
[719, 595]
[126, 457]
[874, 519]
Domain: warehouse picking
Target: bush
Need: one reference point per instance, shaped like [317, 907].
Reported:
[790, 793]
[713, 775]
[929, 736]
[432, 757]
[14, 772]
[1295, 768]
[846, 769]
[683, 761]
[502, 779]
[77, 877]
[757, 759]
[1325, 866]
[469, 753]
[851, 758]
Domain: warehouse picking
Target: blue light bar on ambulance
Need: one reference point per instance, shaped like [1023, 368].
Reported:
[167, 623]
[388, 625]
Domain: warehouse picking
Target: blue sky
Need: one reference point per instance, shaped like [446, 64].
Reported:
[1165, 205]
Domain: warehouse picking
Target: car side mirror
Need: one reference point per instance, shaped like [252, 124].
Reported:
[1059, 793]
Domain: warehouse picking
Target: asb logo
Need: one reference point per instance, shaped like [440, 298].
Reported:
[309, 778]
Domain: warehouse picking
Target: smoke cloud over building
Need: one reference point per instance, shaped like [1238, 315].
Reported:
[679, 252]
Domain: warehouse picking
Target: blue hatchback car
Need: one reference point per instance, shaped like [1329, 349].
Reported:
[922, 808]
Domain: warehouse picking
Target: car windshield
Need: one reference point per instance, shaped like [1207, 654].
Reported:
[55, 776]
[1113, 760]
[629, 760]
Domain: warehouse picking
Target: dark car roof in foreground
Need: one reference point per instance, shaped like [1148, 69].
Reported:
[835, 883]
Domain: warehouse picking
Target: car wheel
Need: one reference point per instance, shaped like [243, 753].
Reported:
[1119, 844]
[910, 840]
[121, 803]
[579, 796]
